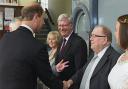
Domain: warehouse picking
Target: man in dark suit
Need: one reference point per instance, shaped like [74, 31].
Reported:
[23, 58]
[73, 50]
[97, 76]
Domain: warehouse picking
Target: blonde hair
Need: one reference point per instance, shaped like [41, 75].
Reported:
[56, 34]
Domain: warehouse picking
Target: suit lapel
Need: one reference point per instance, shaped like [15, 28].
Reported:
[61, 54]
[102, 61]
[67, 48]
[69, 43]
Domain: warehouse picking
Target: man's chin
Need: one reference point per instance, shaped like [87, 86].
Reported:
[92, 48]
[63, 35]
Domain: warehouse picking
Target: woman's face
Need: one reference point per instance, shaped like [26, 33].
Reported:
[117, 32]
[52, 41]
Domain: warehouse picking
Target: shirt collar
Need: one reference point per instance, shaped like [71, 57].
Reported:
[101, 53]
[68, 36]
[24, 25]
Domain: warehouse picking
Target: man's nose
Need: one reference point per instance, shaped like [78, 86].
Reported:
[91, 38]
[50, 40]
[61, 27]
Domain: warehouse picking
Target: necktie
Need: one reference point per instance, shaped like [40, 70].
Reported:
[63, 44]
[87, 74]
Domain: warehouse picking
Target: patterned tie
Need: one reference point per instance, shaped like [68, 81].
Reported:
[88, 73]
[63, 45]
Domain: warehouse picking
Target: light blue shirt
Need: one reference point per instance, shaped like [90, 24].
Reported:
[90, 72]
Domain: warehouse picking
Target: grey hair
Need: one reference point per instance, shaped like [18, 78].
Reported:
[64, 16]
[106, 31]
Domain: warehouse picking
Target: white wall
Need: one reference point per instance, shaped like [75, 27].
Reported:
[108, 11]
[25, 2]
[57, 7]
[68, 6]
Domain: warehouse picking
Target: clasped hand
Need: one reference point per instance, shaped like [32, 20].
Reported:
[67, 84]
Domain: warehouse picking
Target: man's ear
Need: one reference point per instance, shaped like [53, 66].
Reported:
[35, 17]
[105, 41]
[71, 26]
[35, 20]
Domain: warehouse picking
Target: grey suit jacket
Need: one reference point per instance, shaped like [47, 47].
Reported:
[100, 74]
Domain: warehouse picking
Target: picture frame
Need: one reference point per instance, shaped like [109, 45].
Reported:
[1, 20]
[15, 2]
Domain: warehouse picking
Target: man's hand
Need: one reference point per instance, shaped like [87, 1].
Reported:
[67, 84]
[61, 65]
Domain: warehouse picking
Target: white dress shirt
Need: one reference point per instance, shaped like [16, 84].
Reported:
[87, 83]
[24, 25]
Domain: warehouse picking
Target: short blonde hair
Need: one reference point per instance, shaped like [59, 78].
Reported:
[56, 34]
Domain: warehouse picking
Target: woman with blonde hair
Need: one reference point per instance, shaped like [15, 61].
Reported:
[53, 41]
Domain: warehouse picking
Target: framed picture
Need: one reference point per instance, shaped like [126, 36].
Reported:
[1, 20]
[15, 1]
[1, 1]
[12, 1]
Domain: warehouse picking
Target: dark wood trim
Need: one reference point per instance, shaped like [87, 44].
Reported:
[94, 13]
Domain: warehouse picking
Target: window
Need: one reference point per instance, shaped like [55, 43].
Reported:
[44, 3]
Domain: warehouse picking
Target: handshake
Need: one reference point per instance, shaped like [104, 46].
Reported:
[59, 68]
[67, 84]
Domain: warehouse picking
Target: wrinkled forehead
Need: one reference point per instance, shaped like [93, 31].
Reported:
[64, 22]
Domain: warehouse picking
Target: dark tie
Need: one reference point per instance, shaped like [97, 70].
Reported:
[63, 44]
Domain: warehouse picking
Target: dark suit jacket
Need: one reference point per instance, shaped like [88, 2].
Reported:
[99, 79]
[22, 60]
[75, 52]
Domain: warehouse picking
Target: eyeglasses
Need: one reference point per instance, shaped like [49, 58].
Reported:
[94, 35]
[123, 19]
[63, 25]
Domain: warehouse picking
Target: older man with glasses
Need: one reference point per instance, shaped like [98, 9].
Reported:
[95, 72]
[72, 49]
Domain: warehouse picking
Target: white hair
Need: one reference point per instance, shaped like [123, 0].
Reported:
[64, 16]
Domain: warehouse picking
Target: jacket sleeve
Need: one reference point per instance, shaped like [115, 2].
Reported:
[80, 54]
[77, 77]
[44, 70]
